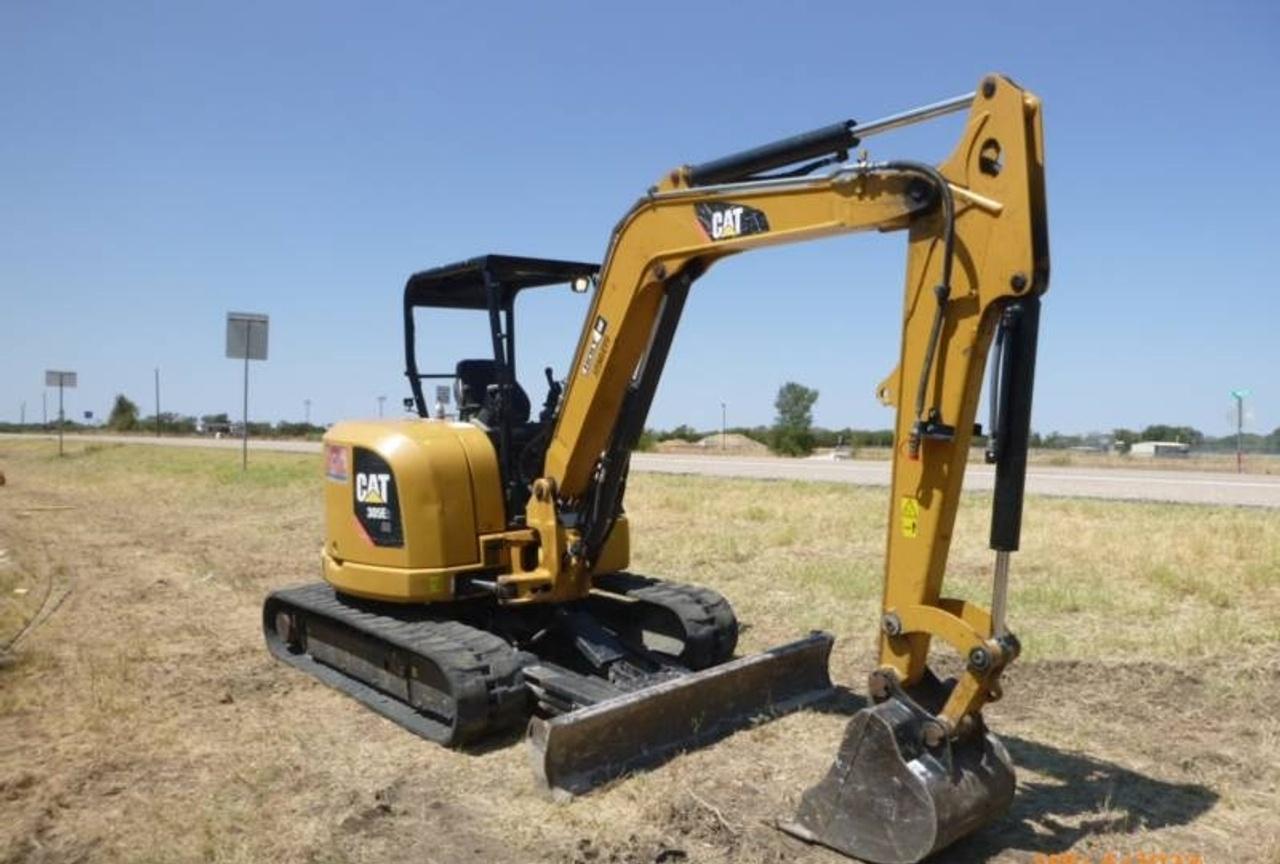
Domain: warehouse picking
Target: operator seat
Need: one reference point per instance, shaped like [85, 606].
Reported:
[471, 390]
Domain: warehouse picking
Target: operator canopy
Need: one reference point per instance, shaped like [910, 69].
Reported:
[463, 285]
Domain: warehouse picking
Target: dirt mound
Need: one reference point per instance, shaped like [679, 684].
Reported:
[733, 443]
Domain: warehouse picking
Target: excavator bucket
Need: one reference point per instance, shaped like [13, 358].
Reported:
[577, 751]
[891, 799]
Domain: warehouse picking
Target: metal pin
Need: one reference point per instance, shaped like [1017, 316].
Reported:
[991, 205]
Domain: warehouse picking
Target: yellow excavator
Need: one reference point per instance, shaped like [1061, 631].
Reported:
[475, 565]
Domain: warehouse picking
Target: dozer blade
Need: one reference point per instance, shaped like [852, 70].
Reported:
[889, 799]
[574, 752]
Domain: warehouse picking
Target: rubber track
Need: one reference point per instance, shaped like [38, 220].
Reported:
[483, 671]
[711, 628]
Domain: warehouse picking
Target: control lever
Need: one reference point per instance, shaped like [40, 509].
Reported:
[554, 388]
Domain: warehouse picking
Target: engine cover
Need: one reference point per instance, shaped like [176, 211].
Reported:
[407, 503]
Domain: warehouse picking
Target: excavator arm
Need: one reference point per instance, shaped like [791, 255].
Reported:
[977, 256]
[977, 263]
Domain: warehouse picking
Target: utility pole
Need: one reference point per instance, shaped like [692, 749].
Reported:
[381, 400]
[1239, 395]
[157, 401]
[44, 408]
[306, 411]
[22, 415]
[722, 425]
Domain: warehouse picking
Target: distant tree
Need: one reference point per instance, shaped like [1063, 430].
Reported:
[1184, 434]
[1053, 441]
[684, 432]
[831, 437]
[288, 429]
[124, 414]
[792, 433]
[851, 437]
[215, 419]
[648, 440]
[169, 422]
[179, 423]
[871, 438]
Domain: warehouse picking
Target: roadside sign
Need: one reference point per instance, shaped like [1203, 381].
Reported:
[61, 379]
[246, 340]
[246, 336]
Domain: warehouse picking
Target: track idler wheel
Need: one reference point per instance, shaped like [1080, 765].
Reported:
[890, 798]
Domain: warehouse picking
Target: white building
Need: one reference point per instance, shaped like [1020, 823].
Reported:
[1160, 449]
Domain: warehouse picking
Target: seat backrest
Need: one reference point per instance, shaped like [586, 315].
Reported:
[471, 386]
[471, 390]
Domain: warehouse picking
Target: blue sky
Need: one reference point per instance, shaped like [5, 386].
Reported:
[162, 163]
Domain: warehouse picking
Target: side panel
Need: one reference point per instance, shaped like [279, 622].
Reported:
[485, 479]
[440, 480]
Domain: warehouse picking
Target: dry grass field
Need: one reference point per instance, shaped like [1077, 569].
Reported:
[1253, 463]
[141, 719]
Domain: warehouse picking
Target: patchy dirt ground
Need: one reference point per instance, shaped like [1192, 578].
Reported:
[142, 720]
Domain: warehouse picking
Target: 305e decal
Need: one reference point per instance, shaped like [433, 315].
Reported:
[377, 505]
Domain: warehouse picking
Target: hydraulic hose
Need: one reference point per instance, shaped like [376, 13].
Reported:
[942, 291]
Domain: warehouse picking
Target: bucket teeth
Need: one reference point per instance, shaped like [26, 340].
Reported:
[889, 799]
[575, 752]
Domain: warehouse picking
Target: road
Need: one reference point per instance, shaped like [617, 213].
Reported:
[1185, 487]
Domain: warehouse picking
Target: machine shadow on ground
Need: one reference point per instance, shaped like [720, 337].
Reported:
[1081, 797]
[1072, 798]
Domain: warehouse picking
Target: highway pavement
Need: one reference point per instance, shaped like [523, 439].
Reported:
[1138, 484]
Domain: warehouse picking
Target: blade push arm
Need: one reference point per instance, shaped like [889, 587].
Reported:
[976, 238]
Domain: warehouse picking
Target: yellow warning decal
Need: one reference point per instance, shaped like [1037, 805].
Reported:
[910, 516]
